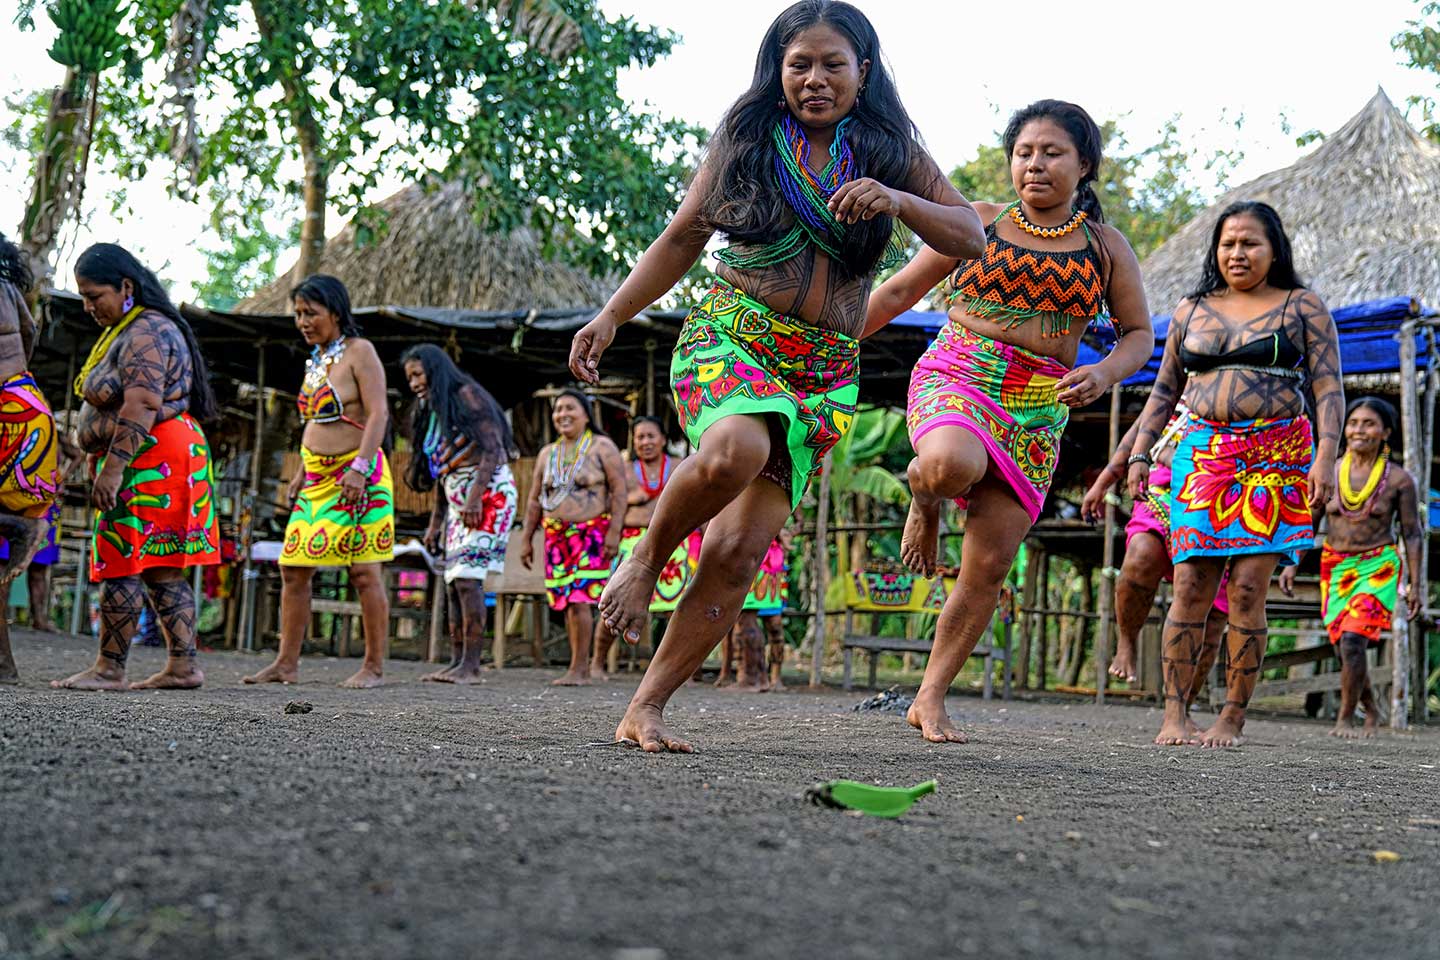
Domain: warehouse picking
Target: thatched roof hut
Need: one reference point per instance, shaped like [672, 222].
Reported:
[1362, 211]
[431, 252]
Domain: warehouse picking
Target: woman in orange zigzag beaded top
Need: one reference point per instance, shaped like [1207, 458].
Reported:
[991, 397]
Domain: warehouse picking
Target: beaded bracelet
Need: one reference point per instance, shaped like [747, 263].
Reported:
[1139, 458]
[363, 465]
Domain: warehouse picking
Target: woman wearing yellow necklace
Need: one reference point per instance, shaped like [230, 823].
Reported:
[1359, 562]
[578, 493]
[145, 391]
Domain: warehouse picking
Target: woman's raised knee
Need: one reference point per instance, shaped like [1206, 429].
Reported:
[731, 459]
[734, 556]
[944, 473]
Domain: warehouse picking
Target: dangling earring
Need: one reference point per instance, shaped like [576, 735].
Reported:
[780, 104]
[129, 303]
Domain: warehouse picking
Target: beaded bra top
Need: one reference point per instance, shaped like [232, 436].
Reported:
[318, 401]
[1012, 284]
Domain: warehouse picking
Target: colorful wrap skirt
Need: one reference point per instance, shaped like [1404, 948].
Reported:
[29, 449]
[1003, 394]
[1240, 489]
[324, 531]
[737, 356]
[676, 574]
[473, 553]
[165, 514]
[1152, 515]
[1359, 591]
[575, 567]
[771, 588]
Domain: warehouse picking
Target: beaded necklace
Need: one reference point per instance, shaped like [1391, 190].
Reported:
[1355, 503]
[1017, 216]
[808, 195]
[653, 491]
[560, 473]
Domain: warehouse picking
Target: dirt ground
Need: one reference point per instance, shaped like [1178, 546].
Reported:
[496, 821]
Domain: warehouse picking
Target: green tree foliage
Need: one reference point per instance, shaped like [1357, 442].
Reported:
[1147, 194]
[1420, 44]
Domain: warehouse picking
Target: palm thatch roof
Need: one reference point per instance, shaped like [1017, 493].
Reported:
[429, 251]
[1362, 212]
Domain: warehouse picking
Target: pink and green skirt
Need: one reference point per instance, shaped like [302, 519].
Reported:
[675, 576]
[771, 588]
[575, 568]
[736, 356]
[1003, 394]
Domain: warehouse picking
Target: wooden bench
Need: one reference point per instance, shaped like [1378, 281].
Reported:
[872, 592]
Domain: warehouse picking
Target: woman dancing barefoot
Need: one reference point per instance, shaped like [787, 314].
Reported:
[343, 495]
[577, 491]
[1243, 342]
[991, 397]
[1359, 565]
[146, 389]
[806, 176]
[463, 448]
[650, 470]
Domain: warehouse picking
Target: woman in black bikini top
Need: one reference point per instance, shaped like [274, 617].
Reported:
[1246, 472]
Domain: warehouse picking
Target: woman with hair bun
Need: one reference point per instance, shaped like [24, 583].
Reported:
[990, 398]
[1246, 470]
[145, 390]
[577, 494]
[1359, 563]
[343, 512]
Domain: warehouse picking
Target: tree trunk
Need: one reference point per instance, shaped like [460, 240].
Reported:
[1031, 596]
[1082, 626]
[59, 175]
[296, 101]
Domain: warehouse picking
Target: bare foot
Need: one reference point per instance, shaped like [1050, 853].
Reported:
[776, 685]
[8, 673]
[1223, 733]
[724, 680]
[572, 678]
[277, 672]
[462, 673]
[1371, 723]
[172, 678]
[26, 536]
[644, 727]
[437, 676]
[1177, 733]
[1122, 665]
[933, 722]
[363, 679]
[597, 673]
[98, 677]
[920, 544]
[625, 604]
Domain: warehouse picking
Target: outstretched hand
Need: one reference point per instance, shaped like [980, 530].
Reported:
[588, 345]
[1092, 508]
[1139, 479]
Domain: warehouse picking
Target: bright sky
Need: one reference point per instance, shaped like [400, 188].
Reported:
[959, 73]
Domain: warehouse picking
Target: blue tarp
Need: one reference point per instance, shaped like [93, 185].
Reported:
[1367, 337]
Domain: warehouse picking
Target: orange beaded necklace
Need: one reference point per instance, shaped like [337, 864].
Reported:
[1018, 216]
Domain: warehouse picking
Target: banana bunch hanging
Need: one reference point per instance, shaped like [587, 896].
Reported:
[89, 38]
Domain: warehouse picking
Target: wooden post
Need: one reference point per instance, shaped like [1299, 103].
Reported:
[252, 498]
[1043, 620]
[1106, 604]
[437, 615]
[822, 574]
[1410, 428]
[1420, 647]
[650, 346]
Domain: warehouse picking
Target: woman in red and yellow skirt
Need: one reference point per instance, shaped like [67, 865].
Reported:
[145, 389]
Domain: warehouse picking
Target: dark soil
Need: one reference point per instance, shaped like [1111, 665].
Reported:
[420, 820]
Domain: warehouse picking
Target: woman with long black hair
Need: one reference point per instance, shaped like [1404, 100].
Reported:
[343, 512]
[990, 398]
[461, 448]
[1246, 470]
[145, 389]
[808, 175]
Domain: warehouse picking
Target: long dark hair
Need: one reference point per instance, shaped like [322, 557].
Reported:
[1389, 418]
[14, 269]
[110, 264]
[330, 293]
[1282, 275]
[744, 202]
[462, 406]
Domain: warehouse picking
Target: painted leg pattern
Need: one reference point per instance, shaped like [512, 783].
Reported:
[174, 604]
